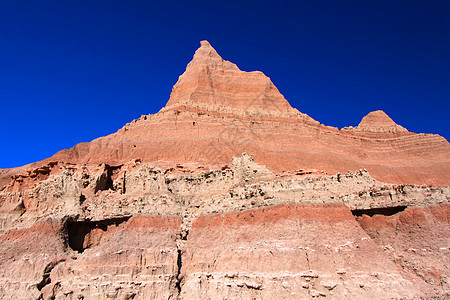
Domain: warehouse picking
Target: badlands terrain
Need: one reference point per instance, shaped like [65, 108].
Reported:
[228, 192]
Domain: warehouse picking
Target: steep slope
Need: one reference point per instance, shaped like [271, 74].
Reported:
[213, 85]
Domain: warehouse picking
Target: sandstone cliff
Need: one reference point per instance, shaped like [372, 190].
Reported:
[229, 192]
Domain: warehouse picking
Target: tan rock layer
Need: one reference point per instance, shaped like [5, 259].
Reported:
[139, 231]
[294, 251]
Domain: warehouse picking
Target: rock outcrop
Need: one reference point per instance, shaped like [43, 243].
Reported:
[377, 122]
[138, 231]
[216, 112]
[215, 86]
[229, 192]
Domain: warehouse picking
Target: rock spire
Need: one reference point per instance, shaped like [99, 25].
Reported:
[212, 84]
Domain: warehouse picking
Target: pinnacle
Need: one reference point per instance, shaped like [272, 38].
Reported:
[206, 55]
[213, 84]
[205, 43]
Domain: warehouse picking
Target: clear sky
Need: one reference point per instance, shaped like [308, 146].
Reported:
[72, 71]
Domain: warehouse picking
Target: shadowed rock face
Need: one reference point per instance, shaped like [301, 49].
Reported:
[161, 210]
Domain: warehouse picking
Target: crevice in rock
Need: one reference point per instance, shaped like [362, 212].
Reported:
[105, 181]
[180, 245]
[184, 234]
[385, 211]
[79, 233]
[123, 182]
[309, 268]
[46, 276]
[178, 275]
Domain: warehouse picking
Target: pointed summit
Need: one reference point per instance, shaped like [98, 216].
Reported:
[206, 55]
[211, 84]
[379, 121]
[216, 112]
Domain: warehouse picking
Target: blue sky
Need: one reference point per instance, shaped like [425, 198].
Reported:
[71, 71]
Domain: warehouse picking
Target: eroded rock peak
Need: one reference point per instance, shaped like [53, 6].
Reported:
[206, 55]
[212, 84]
[376, 118]
[377, 122]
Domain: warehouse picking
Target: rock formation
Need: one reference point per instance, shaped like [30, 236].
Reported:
[171, 206]
[216, 112]
[377, 122]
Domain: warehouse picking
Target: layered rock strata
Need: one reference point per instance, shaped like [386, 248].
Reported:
[217, 111]
[137, 231]
[291, 252]
[160, 210]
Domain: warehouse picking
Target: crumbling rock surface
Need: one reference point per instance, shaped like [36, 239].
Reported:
[27, 256]
[291, 252]
[236, 232]
[136, 259]
[417, 239]
[229, 192]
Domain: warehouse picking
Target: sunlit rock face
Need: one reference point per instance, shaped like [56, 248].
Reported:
[216, 112]
[229, 192]
[212, 84]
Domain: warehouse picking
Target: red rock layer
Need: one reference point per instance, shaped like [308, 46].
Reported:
[215, 85]
[289, 252]
[24, 257]
[417, 239]
[136, 259]
[378, 122]
[280, 145]
[217, 111]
